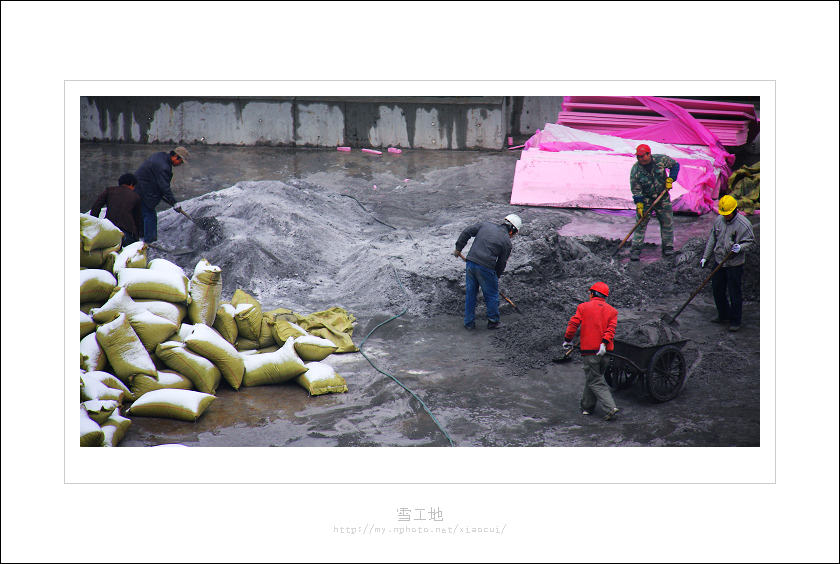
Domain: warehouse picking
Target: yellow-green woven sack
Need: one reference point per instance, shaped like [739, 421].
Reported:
[186, 405]
[320, 379]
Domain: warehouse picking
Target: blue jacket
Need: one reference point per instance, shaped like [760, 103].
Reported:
[153, 178]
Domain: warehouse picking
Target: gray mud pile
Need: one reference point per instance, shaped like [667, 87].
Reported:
[304, 247]
[648, 333]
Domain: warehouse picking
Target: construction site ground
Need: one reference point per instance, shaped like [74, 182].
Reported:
[310, 229]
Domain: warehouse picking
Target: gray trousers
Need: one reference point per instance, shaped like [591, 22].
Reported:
[596, 388]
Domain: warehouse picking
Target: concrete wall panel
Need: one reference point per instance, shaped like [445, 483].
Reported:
[319, 125]
[407, 122]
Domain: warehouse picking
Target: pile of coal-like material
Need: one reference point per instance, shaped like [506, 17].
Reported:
[648, 333]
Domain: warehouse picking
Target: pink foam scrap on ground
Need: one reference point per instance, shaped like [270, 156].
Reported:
[343, 148]
[394, 150]
[371, 151]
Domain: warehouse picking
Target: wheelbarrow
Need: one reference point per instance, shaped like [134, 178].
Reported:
[660, 368]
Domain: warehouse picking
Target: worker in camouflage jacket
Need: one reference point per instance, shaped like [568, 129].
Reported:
[648, 178]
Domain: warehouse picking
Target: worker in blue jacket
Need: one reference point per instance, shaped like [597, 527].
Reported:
[486, 261]
[153, 179]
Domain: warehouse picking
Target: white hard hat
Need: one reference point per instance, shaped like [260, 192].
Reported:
[514, 220]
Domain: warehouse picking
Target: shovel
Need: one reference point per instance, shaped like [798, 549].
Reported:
[211, 225]
[646, 214]
[500, 292]
[671, 319]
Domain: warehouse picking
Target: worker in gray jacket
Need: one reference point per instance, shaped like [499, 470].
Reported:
[731, 231]
[486, 261]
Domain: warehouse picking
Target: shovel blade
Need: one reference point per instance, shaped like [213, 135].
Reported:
[668, 319]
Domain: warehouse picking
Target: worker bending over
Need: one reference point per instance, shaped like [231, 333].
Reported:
[486, 261]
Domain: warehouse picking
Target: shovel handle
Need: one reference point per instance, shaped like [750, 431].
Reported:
[641, 219]
[709, 277]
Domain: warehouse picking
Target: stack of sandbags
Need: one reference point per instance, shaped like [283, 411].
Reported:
[98, 238]
[155, 343]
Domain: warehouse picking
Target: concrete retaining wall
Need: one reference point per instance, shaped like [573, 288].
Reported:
[408, 122]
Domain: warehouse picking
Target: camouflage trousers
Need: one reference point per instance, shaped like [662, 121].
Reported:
[665, 214]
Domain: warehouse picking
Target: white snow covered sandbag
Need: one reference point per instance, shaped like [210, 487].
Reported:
[86, 325]
[204, 375]
[205, 289]
[312, 348]
[186, 405]
[283, 329]
[114, 429]
[132, 256]
[124, 350]
[174, 312]
[93, 389]
[225, 323]
[166, 379]
[109, 380]
[184, 331]
[272, 368]
[163, 265]
[207, 342]
[320, 379]
[90, 434]
[152, 329]
[153, 284]
[98, 233]
[99, 258]
[95, 285]
[93, 355]
[100, 410]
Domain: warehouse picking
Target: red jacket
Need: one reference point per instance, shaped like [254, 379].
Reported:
[597, 320]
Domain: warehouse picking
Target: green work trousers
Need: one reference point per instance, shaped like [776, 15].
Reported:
[665, 214]
[596, 388]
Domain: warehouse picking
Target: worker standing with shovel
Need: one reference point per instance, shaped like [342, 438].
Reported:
[648, 179]
[486, 261]
[731, 232]
[153, 179]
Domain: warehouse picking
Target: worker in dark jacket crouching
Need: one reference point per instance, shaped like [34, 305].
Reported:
[597, 320]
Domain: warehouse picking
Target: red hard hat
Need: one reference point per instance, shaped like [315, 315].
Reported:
[642, 149]
[600, 287]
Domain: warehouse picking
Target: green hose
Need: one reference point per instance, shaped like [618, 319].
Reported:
[390, 375]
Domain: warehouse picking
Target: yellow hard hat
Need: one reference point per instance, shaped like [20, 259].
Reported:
[727, 205]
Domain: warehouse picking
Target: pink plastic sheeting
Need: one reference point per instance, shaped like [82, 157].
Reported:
[718, 117]
[590, 179]
[681, 127]
[574, 146]
[576, 179]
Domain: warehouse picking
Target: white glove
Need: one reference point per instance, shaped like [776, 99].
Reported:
[567, 344]
[736, 247]
[602, 351]
[702, 263]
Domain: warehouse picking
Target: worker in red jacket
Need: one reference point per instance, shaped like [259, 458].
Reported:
[597, 320]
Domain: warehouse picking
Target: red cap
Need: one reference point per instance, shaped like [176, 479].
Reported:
[642, 149]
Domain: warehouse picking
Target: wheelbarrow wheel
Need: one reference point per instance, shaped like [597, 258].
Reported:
[617, 377]
[666, 374]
